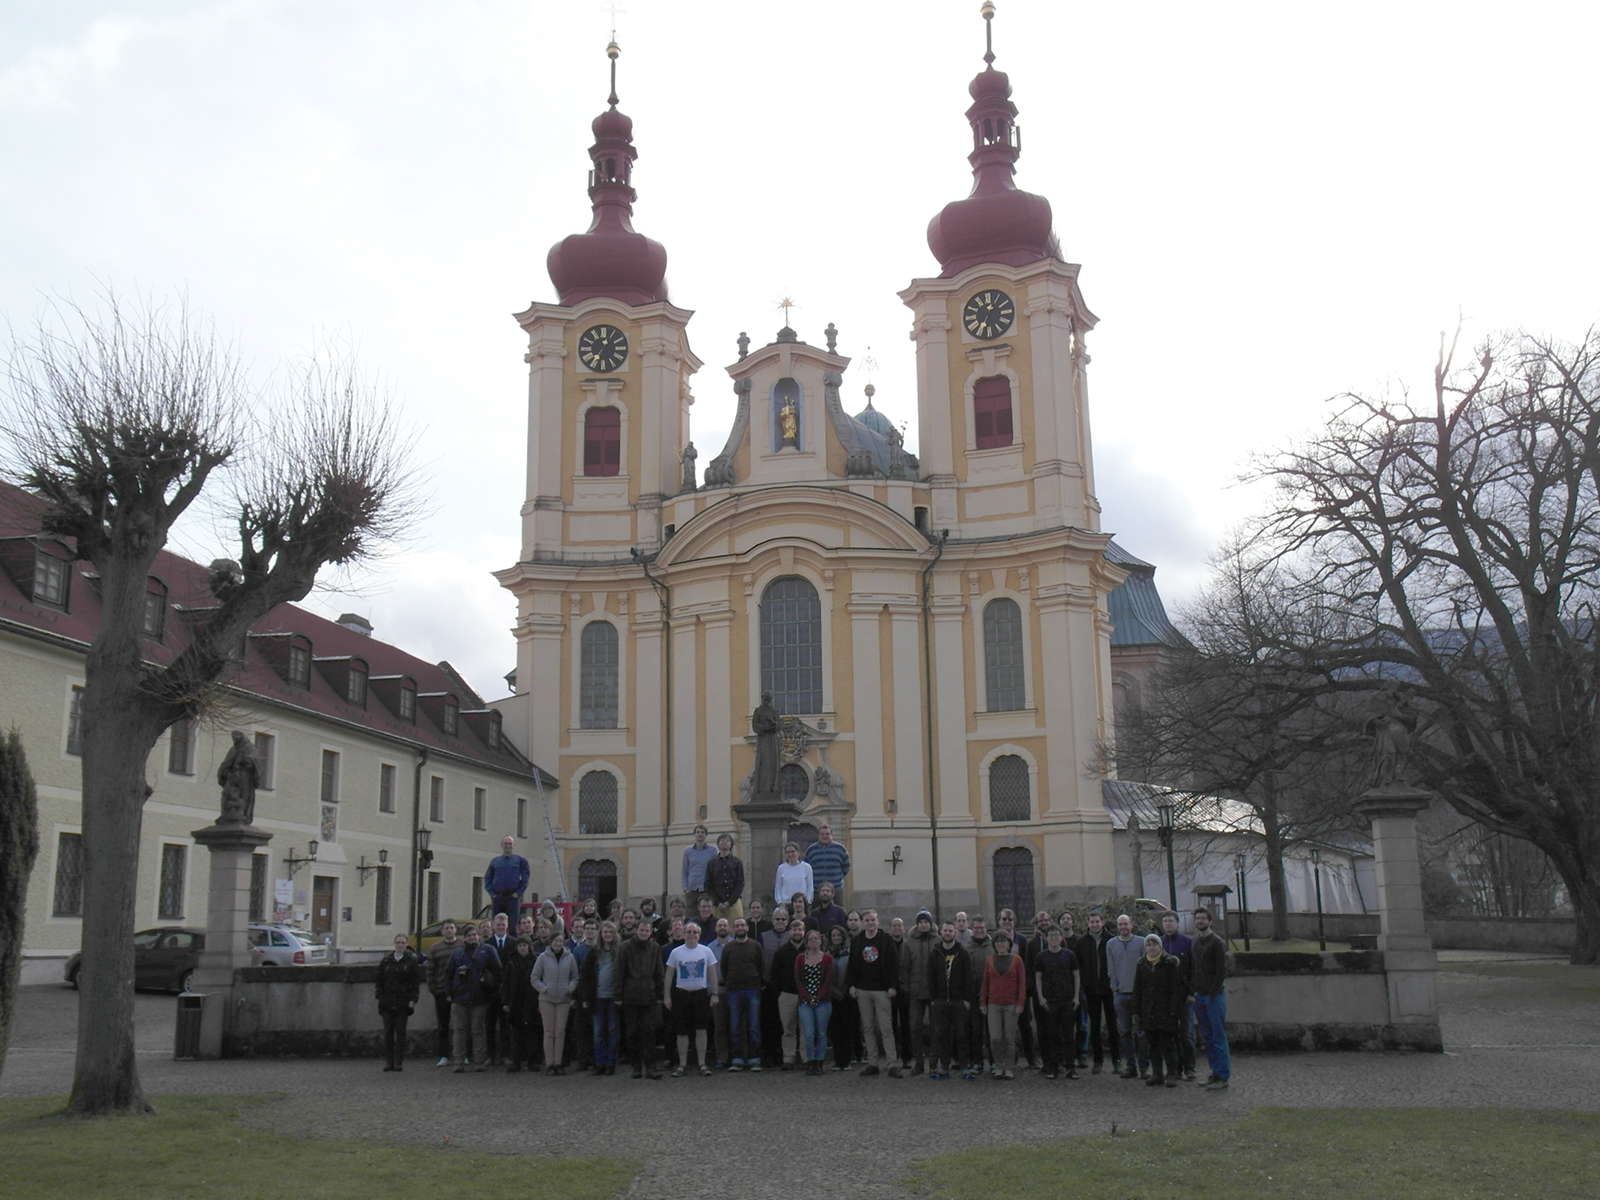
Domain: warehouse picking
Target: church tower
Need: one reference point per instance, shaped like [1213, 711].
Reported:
[608, 374]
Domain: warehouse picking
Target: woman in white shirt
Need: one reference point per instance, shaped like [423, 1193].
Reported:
[794, 875]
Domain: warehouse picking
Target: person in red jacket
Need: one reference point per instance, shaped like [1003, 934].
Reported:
[1001, 998]
[814, 982]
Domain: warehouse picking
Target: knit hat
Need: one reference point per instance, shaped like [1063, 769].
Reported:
[924, 915]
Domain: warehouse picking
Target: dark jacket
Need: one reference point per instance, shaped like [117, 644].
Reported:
[782, 970]
[1208, 964]
[506, 873]
[827, 916]
[980, 953]
[517, 994]
[639, 972]
[1159, 993]
[1180, 946]
[474, 974]
[725, 879]
[399, 982]
[949, 973]
[874, 963]
[438, 965]
[915, 953]
[741, 968]
[1056, 975]
[1085, 949]
[589, 974]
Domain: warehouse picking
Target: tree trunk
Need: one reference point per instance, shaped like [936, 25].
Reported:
[1272, 836]
[1583, 890]
[19, 847]
[116, 744]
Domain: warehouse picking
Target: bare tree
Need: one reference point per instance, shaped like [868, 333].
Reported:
[1233, 714]
[1456, 545]
[119, 421]
[19, 847]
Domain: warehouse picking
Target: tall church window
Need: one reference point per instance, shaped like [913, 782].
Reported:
[602, 441]
[597, 803]
[1002, 656]
[991, 412]
[1009, 791]
[794, 785]
[791, 645]
[597, 676]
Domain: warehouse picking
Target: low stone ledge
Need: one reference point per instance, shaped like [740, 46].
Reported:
[1330, 962]
[1289, 1037]
[349, 973]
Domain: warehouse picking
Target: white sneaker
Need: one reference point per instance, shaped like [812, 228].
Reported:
[443, 1062]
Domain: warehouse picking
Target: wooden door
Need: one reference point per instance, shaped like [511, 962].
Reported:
[324, 896]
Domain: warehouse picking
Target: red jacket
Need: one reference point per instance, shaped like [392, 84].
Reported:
[825, 991]
[1010, 988]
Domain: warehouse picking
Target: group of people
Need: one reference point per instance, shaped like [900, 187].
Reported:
[707, 986]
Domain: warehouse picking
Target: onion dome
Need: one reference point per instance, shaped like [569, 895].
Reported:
[610, 259]
[997, 222]
[875, 420]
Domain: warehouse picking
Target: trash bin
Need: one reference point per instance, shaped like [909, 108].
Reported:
[191, 1012]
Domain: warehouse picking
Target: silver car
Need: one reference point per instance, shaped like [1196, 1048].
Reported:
[286, 946]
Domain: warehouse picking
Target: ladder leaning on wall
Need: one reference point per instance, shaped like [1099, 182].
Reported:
[550, 836]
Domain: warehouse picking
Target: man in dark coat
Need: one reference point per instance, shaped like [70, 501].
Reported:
[399, 984]
[640, 971]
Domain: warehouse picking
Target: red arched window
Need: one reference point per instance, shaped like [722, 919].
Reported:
[991, 411]
[602, 441]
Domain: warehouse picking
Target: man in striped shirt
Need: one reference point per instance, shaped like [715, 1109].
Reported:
[830, 861]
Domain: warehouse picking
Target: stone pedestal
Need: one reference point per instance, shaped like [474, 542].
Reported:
[1408, 958]
[227, 922]
[769, 823]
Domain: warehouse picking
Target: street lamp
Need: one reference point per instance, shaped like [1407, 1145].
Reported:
[1164, 811]
[423, 857]
[364, 866]
[1244, 900]
[1316, 870]
[294, 864]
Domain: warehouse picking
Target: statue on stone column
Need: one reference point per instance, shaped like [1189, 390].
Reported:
[238, 775]
[1391, 732]
[764, 721]
[690, 454]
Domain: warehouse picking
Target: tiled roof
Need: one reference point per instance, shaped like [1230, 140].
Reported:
[257, 677]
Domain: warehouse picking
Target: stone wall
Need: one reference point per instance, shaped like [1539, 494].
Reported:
[308, 1012]
[1318, 1002]
[1534, 935]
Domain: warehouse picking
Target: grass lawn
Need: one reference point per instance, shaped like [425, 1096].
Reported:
[1261, 945]
[1352, 1154]
[196, 1146]
[1555, 977]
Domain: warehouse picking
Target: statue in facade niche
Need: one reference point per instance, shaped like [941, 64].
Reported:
[789, 422]
[238, 775]
[765, 722]
[690, 454]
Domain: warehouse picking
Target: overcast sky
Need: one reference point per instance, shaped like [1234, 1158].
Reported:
[1271, 202]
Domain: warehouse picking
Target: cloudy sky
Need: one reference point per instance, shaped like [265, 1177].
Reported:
[1271, 202]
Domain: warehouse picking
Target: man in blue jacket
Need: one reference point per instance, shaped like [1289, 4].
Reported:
[506, 879]
[474, 972]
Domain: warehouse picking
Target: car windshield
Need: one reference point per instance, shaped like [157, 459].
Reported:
[305, 937]
[146, 939]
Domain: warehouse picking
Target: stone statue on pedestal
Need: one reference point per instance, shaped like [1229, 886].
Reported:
[1391, 731]
[238, 775]
[764, 722]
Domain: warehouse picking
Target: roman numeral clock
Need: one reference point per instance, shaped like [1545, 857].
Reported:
[988, 314]
[603, 348]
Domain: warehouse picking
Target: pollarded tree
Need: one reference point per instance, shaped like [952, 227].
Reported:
[1457, 544]
[119, 422]
[19, 847]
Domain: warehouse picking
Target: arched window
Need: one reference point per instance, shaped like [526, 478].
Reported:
[791, 645]
[1009, 798]
[597, 803]
[1002, 655]
[991, 412]
[794, 784]
[1013, 880]
[597, 881]
[602, 441]
[597, 676]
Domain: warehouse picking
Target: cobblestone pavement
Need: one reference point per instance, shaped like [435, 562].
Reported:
[1514, 1039]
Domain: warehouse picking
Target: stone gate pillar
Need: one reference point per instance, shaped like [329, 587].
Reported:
[227, 919]
[1410, 965]
[769, 828]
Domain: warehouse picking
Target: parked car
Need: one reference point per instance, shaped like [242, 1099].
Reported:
[286, 946]
[163, 958]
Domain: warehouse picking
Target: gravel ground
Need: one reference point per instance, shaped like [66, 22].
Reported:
[1511, 1042]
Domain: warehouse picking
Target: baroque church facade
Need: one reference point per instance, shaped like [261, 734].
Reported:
[935, 628]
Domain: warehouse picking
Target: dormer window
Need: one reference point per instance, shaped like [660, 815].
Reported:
[51, 579]
[355, 688]
[452, 715]
[300, 664]
[155, 609]
[408, 701]
[493, 736]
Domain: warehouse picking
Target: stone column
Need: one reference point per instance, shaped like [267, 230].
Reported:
[1409, 962]
[769, 829]
[227, 919]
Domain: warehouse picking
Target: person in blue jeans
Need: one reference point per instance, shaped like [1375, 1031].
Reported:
[597, 987]
[1208, 977]
[743, 973]
[813, 977]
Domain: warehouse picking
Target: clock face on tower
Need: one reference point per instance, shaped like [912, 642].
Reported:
[604, 348]
[988, 314]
